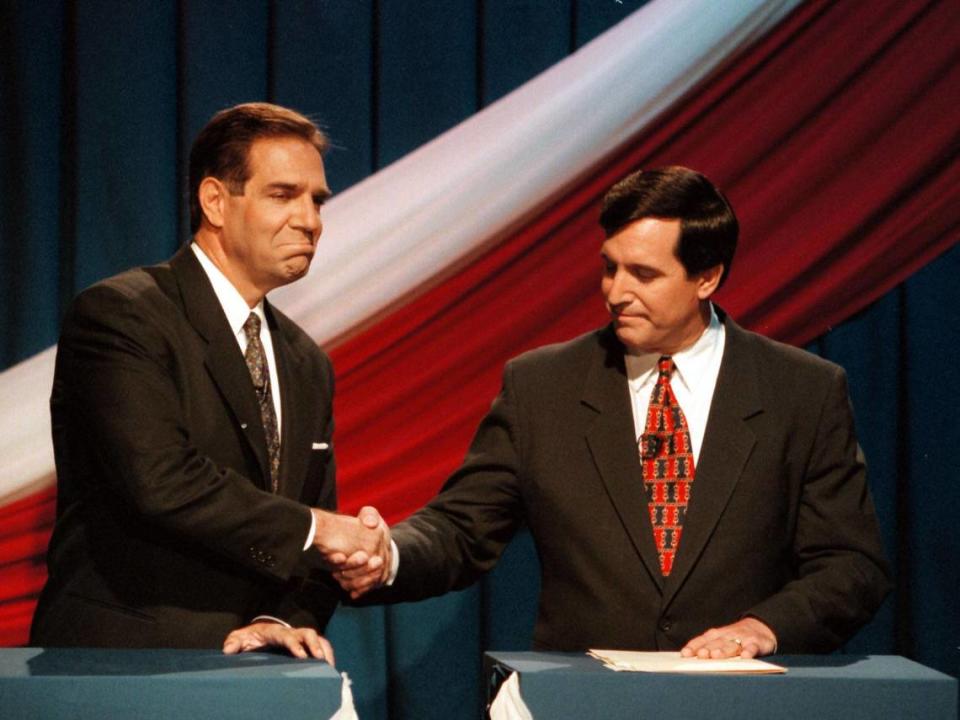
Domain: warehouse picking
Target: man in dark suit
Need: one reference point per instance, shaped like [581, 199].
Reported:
[192, 424]
[688, 485]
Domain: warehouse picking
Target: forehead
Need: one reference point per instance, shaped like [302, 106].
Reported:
[288, 160]
[647, 240]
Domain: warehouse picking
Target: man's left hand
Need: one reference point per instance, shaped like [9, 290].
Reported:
[747, 638]
[299, 642]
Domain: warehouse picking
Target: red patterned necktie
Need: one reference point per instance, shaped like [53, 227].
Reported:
[256, 359]
[667, 458]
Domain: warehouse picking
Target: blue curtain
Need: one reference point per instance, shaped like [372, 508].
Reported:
[101, 100]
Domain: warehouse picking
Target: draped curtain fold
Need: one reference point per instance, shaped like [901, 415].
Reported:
[835, 137]
[841, 167]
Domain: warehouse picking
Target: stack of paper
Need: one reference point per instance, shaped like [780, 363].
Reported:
[672, 662]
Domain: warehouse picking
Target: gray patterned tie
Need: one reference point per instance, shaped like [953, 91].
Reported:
[256, 360]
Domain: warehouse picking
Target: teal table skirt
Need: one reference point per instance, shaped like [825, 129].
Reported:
[555, 686]
[163, 685]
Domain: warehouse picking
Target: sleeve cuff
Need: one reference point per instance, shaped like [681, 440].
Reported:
[394, 563]
[270, 618]
[313, 532]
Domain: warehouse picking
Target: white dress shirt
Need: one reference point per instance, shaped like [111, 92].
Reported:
[237, 312]
[693, 381]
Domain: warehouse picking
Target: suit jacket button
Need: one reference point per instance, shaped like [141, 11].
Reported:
[665, 626]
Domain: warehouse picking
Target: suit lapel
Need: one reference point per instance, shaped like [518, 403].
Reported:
[727, 444]
[223, 359]
[298, 402]
[614, 448]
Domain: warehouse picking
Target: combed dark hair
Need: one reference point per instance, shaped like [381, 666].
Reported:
[222, 147]
[708, 227]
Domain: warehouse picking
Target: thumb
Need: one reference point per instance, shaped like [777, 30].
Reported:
[369, 517]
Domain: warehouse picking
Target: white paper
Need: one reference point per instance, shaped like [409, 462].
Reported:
[673, 662]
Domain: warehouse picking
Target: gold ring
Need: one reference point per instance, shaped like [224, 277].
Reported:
[738, 641]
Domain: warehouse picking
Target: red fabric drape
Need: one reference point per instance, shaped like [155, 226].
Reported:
[835, 139]
[24, 532]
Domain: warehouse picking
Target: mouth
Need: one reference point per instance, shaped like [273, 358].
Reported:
[301, 247]
[627, 318]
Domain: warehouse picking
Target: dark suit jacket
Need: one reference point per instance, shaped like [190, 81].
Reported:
[780, 523]
[166, 532]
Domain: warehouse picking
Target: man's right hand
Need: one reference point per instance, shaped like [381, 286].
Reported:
[360, 545]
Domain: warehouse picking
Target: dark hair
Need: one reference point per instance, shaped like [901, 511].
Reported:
[708, 227]
[222, 147]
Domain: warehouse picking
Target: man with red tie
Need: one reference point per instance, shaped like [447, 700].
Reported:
[689, 485]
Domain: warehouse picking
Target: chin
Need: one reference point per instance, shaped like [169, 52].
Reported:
[632, 340]
[297, 267]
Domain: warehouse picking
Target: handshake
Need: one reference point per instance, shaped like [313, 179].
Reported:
[356, 549]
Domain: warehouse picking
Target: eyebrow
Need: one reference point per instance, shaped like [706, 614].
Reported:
[294, 187]
[632, 265]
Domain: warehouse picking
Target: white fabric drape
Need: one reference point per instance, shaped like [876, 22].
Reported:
[414, 222]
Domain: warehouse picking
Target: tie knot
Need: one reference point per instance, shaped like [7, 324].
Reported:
[251, 328]
[665, 366]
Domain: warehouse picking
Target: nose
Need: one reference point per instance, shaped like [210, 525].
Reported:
[307, 218]
[617, 290]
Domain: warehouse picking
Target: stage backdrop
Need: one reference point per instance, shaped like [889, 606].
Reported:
[829, 125]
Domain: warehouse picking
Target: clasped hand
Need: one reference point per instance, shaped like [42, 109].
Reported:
[357, 550]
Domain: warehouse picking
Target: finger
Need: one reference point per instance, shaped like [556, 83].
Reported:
[750, 650]
[694, 644]
[337, 558]
[359, 559]
[311, 640]
[726, 648]
[239, 640]
[355, 573]
[361, 587]
[327, 650]
[291, 641]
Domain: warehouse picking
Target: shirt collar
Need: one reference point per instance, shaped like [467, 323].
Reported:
[232, 302]
[692, 362]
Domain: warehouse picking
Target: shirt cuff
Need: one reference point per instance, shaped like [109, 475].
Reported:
[313, 532]
[270, 618]
[394, 563]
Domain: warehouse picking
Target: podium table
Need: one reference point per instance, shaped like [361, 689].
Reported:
[38, 683]
[556, 686]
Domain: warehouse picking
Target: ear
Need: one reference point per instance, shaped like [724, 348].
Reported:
[212, 195]
[708, 281]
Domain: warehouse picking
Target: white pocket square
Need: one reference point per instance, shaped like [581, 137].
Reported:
[320, 446]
